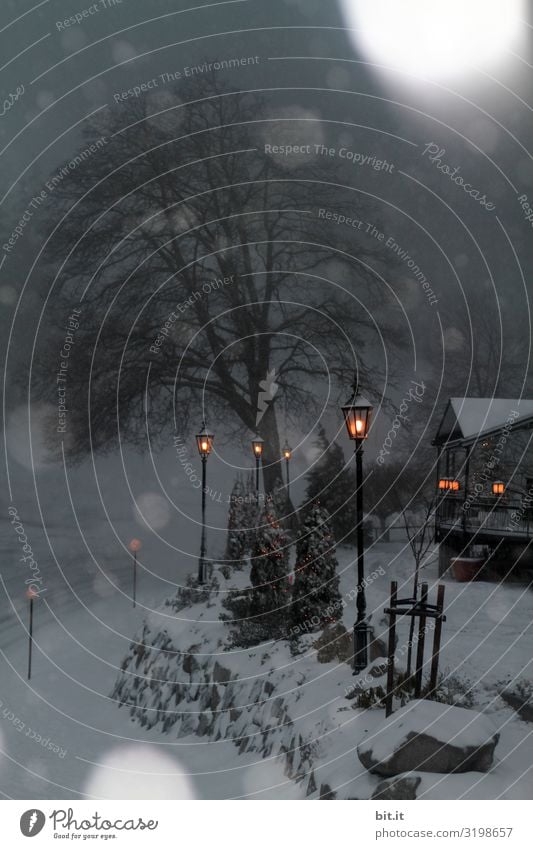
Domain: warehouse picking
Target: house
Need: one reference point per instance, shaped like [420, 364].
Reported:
[485, 481]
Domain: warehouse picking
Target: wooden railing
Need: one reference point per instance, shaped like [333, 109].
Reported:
[497, 517]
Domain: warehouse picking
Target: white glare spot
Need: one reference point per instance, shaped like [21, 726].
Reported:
[123, 51]
[435, 40]
[8, 295]
[152, 510]
[43, 430]
[138, 772]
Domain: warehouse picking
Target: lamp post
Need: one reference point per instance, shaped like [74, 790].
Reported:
[31, 594]
[204, 442]
[287, 453]
[357, 413]
[257, 448]
[134, 546]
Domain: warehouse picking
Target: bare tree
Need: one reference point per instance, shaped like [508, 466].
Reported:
[208, 275]
[419, 527]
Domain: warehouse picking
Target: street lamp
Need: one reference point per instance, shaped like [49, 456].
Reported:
[357, 414]
[204, 441]
[498, 488]
[134, 546]
[287, 453]
[257, 448]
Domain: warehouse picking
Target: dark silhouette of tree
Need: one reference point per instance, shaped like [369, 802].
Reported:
[316, 600]
[205, 269]
[332, 482]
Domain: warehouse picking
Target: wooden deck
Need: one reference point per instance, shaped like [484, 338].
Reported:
[484, 519]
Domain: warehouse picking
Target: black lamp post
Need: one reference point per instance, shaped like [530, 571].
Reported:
[204, 441]
[257, 448]
[287, 453]
[357, 413]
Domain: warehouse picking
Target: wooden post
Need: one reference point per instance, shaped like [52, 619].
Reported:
[436, 640]
[30, 633]
[467, 488]
[391, 648]
[134, 578]
[421, 641]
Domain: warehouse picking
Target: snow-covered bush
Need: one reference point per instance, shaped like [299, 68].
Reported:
[236, 544]
[450, 690]
[260, 612]
[316, 600]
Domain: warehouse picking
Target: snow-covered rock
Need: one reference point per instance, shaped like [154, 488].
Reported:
[430, 737]
[399, 787]
[520, 698]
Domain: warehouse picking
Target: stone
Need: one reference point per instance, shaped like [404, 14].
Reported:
[378, 668]
[378, 639]
[400, 787]
[430, 737]
[190, 664]
[277, 707]
[326, 792]
[523, 705]
[311, 785]
[334, 644]
[220, 673]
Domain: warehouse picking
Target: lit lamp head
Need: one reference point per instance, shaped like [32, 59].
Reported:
[257, 446]
[449, 485]
[357, 414]
[204, 441]
[135, 545]
[287, 451]
[498, 488]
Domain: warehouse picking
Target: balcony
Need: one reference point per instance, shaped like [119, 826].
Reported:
[485, 518]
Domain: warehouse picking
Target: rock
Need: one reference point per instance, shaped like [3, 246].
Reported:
[523, 705]
[277, 707]
[220, 674]
[204, 724]
[190, 664]
[378, 639]
[401, 787]
[430, 737]
[334, 643]
[311, 785]
[378, 668]
[326, 792]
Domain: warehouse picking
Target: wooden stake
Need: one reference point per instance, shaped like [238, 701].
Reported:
[421, 641]
[134, 578]
[30, 632]
[391, 648]
[436, 640]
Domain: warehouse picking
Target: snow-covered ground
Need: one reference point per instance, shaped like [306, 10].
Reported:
[62, 736]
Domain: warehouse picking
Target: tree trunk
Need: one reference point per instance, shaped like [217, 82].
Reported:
[272, 460]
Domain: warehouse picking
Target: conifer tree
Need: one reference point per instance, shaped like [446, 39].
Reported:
[236, 544]
[332, 483]
[316, 600]
[269, 597]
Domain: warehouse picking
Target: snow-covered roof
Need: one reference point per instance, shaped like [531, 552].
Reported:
[468, 418]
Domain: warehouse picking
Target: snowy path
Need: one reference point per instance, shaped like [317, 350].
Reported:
[80, 643]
